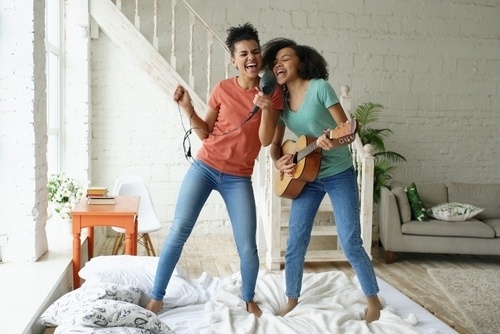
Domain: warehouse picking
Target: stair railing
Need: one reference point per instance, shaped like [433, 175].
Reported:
[364, 163]
[183, 19]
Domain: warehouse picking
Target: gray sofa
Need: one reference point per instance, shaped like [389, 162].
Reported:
[479, 235]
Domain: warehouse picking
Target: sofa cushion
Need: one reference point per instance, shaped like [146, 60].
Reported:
[453, 211]
[418, 211]
[430, 193]
[403, 204]
[469, 228]
[486, 196]
[494, 224]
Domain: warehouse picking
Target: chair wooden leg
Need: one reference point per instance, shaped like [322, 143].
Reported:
[120, 237]
[144, 243]
[148, 244]
[152, 247]
[144, 239]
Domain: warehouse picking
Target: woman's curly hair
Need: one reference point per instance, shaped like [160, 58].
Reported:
[312, 64]
[245, 32]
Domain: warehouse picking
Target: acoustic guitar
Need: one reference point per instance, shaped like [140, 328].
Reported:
[307, 158]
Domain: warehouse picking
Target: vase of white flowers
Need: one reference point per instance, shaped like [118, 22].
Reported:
[64, 194]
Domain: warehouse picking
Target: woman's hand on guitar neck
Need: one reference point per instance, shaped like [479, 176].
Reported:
[285, 164]
[324, 142]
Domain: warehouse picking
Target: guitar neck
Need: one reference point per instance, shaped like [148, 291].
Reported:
[306, 151]
[340, 136]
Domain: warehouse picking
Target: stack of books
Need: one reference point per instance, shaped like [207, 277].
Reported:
[99, 195]
[97, 192]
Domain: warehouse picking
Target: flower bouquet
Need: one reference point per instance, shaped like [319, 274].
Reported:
[64, 194]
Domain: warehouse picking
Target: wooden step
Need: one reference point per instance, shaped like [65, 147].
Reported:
[319, 256]
[321, 230]
[324, 207]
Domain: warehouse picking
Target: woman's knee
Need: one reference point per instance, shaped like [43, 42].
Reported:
[353, 251]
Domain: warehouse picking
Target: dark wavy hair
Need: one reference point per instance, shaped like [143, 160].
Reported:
[313, 64]
[244, 32]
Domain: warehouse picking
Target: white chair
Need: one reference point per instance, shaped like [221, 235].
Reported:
[132, 185]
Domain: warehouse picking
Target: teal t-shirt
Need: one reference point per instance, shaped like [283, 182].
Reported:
[312, 118]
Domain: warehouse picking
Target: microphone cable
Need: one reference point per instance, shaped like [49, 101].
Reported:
[267, 83]
[187, 150]
[186, 142]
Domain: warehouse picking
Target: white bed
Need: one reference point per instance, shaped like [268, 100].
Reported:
[116, 287]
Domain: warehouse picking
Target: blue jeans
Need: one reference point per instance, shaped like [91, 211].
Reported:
[343, 192]
[237, 193]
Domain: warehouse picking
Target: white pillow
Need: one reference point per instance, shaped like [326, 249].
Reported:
[57, 311]
[145, 263]
[140, 272]
[112, 313]
[454, 212]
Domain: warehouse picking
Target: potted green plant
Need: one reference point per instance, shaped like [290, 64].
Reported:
[64, 194]
[383, 159]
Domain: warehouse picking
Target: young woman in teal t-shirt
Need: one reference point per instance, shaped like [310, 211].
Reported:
[310, 107]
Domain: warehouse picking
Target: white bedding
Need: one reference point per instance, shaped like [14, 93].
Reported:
[331, 302]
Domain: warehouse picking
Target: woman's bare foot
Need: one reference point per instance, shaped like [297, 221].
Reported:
[290, 305]
[374, 308]
[154, 306]
[253, 308]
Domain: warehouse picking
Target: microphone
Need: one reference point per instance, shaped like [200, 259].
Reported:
[267, 85]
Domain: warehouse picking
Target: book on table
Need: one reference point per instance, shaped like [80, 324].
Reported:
[101, 200]
[97, 192]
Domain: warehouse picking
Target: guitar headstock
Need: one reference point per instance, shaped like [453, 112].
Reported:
[344, 130]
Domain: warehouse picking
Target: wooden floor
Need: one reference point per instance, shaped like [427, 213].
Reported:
[217, 256]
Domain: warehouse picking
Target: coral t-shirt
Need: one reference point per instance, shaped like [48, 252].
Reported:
[234, 143]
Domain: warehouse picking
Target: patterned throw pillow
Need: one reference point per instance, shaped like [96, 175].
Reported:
[73, 329]
[113, 313]
[454, 212]
[418, 211]
[56, 312]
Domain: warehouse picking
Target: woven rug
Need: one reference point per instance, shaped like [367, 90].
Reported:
[476, 293]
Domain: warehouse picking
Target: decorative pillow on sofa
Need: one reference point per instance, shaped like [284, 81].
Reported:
[418, 211]
[403, 204]
[454, 212]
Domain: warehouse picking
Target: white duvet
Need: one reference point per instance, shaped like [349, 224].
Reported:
[330, 302]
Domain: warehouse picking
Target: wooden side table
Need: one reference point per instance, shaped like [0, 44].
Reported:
[122, 214]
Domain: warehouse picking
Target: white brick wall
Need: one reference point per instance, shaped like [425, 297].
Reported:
[77, 91]
[23, 199]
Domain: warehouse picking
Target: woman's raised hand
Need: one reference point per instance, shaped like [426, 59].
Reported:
[182, 97]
